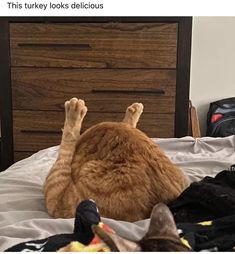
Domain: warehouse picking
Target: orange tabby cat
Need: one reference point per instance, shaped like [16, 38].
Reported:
[115, 164]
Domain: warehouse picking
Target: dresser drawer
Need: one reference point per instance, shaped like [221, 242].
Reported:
[94, 45]
[48, 89]
[35, 130]
[22, 155]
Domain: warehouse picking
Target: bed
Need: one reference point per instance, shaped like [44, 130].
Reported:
[23, 215]
[114, 61]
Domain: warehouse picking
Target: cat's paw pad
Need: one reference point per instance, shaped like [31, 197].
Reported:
[75, 110]
[136, 108]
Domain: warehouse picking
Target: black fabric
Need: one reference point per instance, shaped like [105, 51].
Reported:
[86, 215]
[209, 199]
[52, 243]
[219, 236]
[221, 118]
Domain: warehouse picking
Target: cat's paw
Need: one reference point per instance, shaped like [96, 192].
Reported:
[75, 111]
[135, 109]
[133, 114]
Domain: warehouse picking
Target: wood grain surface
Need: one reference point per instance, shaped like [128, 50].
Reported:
[109, 65]
[48, 89]
[22, 155]
[94, 45]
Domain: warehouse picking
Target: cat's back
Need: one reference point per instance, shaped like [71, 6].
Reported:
[121, 168]
[113, 141]
[110, 129]
[108, 168]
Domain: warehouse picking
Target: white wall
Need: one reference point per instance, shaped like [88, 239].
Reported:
[212, 62]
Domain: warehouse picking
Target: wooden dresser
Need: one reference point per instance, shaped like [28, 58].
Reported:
[108, 62]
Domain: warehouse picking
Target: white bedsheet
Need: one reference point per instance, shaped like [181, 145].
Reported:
[23, 215]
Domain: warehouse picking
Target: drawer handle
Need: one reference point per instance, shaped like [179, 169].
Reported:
[55, 45]
[129, 90]
[41, 132]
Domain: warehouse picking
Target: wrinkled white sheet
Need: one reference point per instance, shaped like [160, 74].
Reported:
[23, 215]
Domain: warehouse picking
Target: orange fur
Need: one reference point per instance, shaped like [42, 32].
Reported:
[115, 164]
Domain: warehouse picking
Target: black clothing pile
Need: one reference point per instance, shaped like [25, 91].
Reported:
[205, 213]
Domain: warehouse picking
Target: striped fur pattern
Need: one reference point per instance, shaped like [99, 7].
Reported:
[113, 163]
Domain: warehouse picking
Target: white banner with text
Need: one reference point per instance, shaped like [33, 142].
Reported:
[116, 8]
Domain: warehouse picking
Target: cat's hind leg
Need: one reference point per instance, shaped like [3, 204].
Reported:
[60, 192]
[133, 114]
